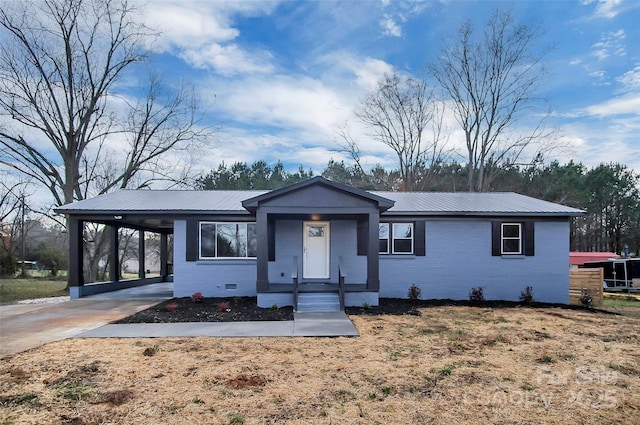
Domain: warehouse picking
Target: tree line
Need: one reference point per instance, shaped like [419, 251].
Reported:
[608, 193]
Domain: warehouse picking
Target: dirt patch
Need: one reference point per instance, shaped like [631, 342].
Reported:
[449, 364]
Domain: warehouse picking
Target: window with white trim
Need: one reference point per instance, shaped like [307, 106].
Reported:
[395, 238]
[511, 238]
[402, 235]
[227, 240]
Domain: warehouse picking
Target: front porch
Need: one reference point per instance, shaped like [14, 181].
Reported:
[353, 297]
[331, 231]
[315, 287]
[318, 296]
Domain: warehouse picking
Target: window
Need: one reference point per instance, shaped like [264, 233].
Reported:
[402, 238]
[383, 237]
[315, 231]
[395, 238]
[227, 240]
[511, 237]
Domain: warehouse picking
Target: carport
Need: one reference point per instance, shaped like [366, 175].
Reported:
[139, 218]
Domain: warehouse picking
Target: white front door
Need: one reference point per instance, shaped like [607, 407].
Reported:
[315, 263]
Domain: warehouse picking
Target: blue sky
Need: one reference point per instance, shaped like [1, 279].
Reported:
[280, 78]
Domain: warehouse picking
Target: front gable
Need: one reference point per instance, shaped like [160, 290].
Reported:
[317, 194]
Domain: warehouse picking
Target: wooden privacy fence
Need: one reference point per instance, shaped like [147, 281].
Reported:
[583, 281]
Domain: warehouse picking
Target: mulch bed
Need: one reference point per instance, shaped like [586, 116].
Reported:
[239, 309]
[185, 309]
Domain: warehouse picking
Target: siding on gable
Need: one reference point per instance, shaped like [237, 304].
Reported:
[458, 257]
[317, 197]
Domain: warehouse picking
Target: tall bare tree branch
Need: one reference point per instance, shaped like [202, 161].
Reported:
[490, 82]
[60, 65]
[397, 114]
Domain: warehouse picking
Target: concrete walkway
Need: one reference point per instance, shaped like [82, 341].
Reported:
[29, 325]
[25, 326]
[304, 324]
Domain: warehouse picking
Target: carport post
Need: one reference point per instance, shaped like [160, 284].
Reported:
[141, 265]
[75, 228]
[164, 254]
[114, 266]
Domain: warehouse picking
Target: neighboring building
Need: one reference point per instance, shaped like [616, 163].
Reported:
[5, 236]
[577, 259]
[253, 243]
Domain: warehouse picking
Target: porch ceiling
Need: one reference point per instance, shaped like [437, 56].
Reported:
[133, 221]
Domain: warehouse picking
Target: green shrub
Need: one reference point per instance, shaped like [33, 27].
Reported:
[8, 265]
[236, 418]
[476, 294]
[526, 296]
[52, 258]
[414, 292]
[546, 359]
[446, 370]
[586, 299]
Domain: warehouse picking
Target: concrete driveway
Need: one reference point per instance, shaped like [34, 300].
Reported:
[25, 326]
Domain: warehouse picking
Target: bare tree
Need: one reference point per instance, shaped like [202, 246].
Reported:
[398, 113]
[491, 81]
[60, 64]
[10, 198]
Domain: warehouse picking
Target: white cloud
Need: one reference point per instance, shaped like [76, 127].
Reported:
[229, 59]
[185, 24]
[282, 101]
[572, 141]
[342, 66]
[203, 34]
[390, 27]
[593, 145]
[600, 75]
[622, 105]
[607, 8]
[610, 43]
[631, 79]
[398, 12]
[296, 118]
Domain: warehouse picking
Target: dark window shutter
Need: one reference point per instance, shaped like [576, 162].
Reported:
[419, 247]
[496, 249]
[529, 238]
[271, 239]
[192, 240]
[362, 236]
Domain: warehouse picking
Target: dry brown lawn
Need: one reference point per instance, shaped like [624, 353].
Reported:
[451, 365]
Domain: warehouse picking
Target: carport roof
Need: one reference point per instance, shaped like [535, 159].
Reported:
[163, 201]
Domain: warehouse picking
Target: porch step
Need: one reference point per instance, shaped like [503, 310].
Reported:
[318, 302]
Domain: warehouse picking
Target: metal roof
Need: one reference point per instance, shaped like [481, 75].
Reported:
[230, 201]
[473, 203]
[163, 201]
